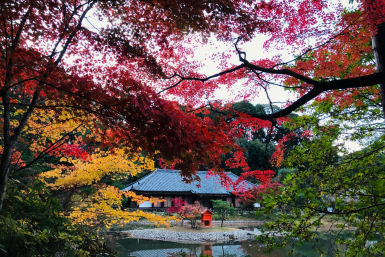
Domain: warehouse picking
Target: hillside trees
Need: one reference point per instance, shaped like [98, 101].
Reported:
[256, 140]
[260, 143]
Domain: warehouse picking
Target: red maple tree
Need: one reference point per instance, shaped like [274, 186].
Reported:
[118, 78]
[256, 194]
[105, 63]
[179, 207]
[193, 213]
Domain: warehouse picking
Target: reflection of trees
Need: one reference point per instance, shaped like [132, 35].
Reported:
[226, 254]
[152, 248]
[207, 251]
[254, 249]
[182, 254]
[324, 245]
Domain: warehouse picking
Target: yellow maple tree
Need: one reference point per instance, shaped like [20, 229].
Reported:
[102, 207]
[99, 164]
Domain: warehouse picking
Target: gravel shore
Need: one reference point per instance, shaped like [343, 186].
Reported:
[188, 237]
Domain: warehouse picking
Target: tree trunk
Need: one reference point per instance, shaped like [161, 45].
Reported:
[378, 43]
[4, 172]
[8, 142]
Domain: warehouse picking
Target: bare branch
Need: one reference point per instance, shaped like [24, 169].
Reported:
[72, 35]
[201, 79]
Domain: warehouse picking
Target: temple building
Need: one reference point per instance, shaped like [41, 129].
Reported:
[168, 184]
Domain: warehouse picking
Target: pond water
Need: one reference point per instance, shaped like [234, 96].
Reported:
[154, 248]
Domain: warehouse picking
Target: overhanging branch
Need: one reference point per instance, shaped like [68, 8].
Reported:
[318, 86]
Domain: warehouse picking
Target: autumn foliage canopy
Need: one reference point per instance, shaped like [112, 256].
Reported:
[88, 83]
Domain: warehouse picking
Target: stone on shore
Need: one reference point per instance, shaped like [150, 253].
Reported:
[192, 237]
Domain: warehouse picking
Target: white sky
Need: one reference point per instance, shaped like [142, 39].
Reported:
[254, 51]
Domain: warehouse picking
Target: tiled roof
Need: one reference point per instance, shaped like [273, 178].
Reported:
[171, 181]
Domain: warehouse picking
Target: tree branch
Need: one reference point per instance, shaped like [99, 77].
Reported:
[49, 149]
[201, 79]
[319, 87]
[354, 211]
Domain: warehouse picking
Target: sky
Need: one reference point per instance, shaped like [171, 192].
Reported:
[254, 51]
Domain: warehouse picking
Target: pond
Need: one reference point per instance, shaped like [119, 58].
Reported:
[154, 248]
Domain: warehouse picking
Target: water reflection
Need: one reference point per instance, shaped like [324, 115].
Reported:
[151, 248]
[154, 248]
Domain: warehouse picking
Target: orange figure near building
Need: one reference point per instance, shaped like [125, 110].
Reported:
[207, 218]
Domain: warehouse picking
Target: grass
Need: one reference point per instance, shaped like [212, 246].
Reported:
[329, 223]
[129, 226]
[202, 230]
[235, 218]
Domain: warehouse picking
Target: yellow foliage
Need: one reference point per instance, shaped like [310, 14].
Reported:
[50, 126]
[104, 206]
[140, 198]
[100, 164]
[103, 209]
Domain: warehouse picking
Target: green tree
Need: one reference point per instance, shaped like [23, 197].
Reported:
[284, 173]
[223, 209]
[32, 224]
[334, 191]
[332, 188]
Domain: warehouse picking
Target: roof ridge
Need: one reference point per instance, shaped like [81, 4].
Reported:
[167, 170]
[143, 178]
[248, 182]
